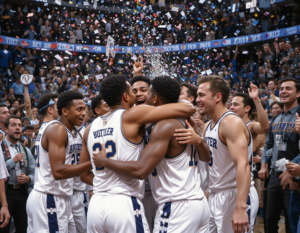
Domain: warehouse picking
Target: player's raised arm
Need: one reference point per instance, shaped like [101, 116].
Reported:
[57, 137]
[151, 156]
[87, 176]
[262, 125]
[232, 129]
[142, 115]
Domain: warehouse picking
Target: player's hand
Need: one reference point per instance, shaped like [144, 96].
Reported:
[23, 179]
[187, 136]
[293, 169]
[286, 178]
[297, 123]
[18, 157]
[240, 221]
[99, 157]
[4, 216]
[138, 67]
[263, 173]
[253, 92]
[256, 159]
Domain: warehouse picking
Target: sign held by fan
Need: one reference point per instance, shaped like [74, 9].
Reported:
[110, 53]
[26, 79]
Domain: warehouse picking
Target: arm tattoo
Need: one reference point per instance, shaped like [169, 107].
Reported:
[154, 139]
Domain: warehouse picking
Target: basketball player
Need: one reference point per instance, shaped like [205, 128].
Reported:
[230, 145]
[140, 87]
[115, 205]
[49, 208]
[189, 93]
[99, 106]
[174, 178]
[243, 104]
[4, 114]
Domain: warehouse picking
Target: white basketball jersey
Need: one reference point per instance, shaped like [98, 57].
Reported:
[78, 185]
[107, 130]
[251, 159]
[177, 178]
[222, 171]
[43, 179]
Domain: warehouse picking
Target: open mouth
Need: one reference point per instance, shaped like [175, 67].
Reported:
[140, 102]
[17, 134]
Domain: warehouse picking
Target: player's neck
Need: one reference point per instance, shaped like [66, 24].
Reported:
[48, 118]
[289, 106]
[66, 123]
[114, 108]
[218, 113]
[246, 118]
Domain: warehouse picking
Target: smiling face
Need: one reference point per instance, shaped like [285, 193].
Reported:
[140, 90]
[76, 112]
[205, 99]
[288, 93]
[237, 106]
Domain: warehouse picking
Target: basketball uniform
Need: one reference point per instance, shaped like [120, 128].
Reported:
[48, 206]
[115, 206]
[175, 184]
[222, 182]
[79, 197]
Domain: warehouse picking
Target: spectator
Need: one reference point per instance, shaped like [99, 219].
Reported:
[46, 32]
[18, 89]
[5, 59]
[20, 165]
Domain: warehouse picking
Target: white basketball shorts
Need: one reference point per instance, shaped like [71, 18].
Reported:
[182, 216]
[116, 214]
[79, 210]
[49, 214]
[222, 206]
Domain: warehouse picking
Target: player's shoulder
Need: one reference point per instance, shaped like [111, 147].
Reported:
[232, 120]
[167, 126]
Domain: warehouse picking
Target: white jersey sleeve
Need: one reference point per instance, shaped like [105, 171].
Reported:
[3, 170]
[107, 130]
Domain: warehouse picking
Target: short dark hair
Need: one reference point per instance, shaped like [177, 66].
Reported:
[65, 99]
[112, 89]
[96, 103]
[247, 101]
[166, 88]
[192, 91]
[140, 78]
[6, 123]
[2, 105]
[29, 127]
[217, 85]
[15, 100]
[44, 101]
[278, 103]
[297, 84]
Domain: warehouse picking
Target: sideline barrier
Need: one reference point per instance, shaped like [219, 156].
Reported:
[57, 46]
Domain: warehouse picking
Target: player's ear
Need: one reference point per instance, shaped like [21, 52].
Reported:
[155, 99]
[218, 97]
[65, 112]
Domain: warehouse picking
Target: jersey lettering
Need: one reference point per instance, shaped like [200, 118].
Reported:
[110, 145]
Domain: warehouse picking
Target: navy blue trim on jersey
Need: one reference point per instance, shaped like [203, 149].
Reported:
[85, 203]
[165, 215]
[138, 215]
[248, 122]
[136, 144]
[52, 214]
[106, 116]
[217, 121]
[249, 209]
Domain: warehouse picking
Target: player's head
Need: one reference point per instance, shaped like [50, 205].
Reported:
[47, 105]
[4, 113]
[99, 106]
[242, 104]
[163, 90]
[115, 90]
[289, 91]
[276, 108]
[13, 127]
[140, 87]
[70, 105]
[188, 92]
[212, 91]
